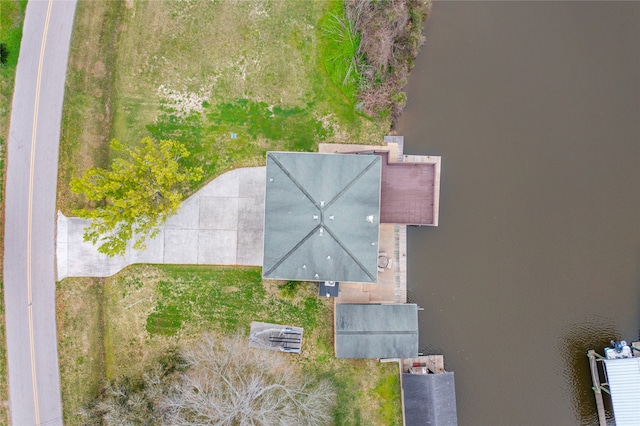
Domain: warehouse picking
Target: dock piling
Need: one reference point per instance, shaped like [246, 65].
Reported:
[597, 388]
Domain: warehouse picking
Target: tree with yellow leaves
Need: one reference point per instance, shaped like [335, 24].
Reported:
[141, 189]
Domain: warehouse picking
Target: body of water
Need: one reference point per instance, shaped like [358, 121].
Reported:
[535, 110]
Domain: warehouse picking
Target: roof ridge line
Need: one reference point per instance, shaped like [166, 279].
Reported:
[293, 179]
[337, 240]
[290, 252]
[353, 181]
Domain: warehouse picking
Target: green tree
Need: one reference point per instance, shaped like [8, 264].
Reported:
[143, 187]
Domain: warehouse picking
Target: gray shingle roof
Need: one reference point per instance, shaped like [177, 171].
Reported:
[322, 216]
[376, 331]
[430, 399]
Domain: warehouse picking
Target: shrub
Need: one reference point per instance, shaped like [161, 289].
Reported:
[390, 37]
[4, 54]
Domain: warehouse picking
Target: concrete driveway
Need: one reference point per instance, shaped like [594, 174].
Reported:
[221, 224]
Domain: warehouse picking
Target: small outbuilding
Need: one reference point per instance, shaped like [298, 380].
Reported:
[322, 217]
[376, 331]
[429, 399]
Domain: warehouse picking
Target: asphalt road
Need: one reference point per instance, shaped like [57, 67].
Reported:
[32, 165]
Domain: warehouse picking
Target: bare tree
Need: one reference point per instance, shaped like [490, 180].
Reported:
[390, 37]
[128, 402]
[227, 383]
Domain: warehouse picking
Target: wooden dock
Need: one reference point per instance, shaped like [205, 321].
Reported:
[433, 363]
[436, 162]
[407, 190]
[597, 386]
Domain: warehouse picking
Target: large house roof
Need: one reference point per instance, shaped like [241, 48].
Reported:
[376, 331]
[322, 217]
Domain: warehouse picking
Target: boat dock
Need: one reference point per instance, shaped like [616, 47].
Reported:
[617, 375]
[432, 364]
[597, 385]
[427, 391]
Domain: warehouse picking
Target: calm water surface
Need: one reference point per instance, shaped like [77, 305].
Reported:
[535, 110]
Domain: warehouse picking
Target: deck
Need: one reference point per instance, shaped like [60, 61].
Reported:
[433, 363]
[410, 184]
[597, 387]
[407, 192]
[391, 286]
[597, 373]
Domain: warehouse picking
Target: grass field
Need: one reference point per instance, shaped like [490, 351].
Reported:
[11, 18]
[231, 80]
[81, 352]
[128, 320]
[86, 115]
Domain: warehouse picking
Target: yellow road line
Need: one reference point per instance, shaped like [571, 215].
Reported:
[30, 211]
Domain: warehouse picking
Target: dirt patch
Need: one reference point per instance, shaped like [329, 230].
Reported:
[99, 70]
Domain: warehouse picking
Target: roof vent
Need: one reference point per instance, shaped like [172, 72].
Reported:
[328, 257]
[321, 203]
[270, 179]
[332, 217]
[315, 217]
[370, 218]
[304, 266]
[321, 232]
[317, 276]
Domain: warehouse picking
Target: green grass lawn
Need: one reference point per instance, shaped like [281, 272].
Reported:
[117, 326]
[11, 18]
[79, 306]
[231, 80]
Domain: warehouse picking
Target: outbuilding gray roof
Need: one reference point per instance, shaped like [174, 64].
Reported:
[322, 217]
[376, 331]
[429, 399]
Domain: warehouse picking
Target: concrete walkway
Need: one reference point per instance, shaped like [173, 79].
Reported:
[221, 224]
